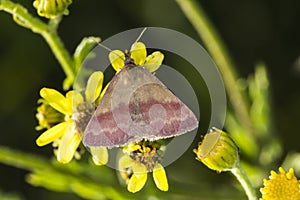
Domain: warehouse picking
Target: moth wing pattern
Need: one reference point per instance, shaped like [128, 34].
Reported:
[137, 106]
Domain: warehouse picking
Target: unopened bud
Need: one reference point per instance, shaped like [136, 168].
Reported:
[218, 151]
[52, 8]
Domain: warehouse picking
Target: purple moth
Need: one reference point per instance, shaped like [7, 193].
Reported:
[137, 106]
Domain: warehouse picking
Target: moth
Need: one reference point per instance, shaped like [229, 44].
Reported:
[137, 106]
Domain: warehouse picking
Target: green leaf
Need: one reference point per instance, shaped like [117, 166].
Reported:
[83, 49]
[259, 95]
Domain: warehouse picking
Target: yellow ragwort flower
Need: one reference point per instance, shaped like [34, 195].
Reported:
[281, 186]
[77, 111]
[139, 159]
[138, 54]
[47, 116]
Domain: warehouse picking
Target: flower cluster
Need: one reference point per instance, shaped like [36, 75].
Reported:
[139, 159]
[65, 117]
[283, 185]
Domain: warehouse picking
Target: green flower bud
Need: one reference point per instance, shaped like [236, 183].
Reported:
[52, 8]
[218, 151]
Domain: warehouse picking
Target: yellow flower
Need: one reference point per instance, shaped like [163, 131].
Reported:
[77, 111]
[281, 186]
[138, 54]
[47, 116]
[139, 159]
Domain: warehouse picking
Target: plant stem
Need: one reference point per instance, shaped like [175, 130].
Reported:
[45, 174]
[218, 51]
[21, 160]
[22, 17]
[49, 33]
[241, 176]
[60, 53]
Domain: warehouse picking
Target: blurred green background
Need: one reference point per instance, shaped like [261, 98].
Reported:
[252, 30]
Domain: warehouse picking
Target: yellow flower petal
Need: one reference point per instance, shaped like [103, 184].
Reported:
[100, 155]
[47, 116]
[283, 185]
[117, 58]
[154, 61]
[136, 183]
[94, 86]
[138, 53]
[125, 162]
[53, 133]
[74, 98]
[56, 100]
[69, 143]
[160, 178]
[131, 147]
[138, 169]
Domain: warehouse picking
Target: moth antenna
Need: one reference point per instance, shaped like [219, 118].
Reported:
[101, 45]
[106, 48]
[109, 50]
[141, 34]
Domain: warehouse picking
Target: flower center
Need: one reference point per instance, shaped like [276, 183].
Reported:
[147, 153]
[82, 115]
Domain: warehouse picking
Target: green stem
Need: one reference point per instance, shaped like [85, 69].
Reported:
[49, 33]
[21, 160]
[22, 17]
[218, 51]
[60, 53]
[46, 175]
[242, 177]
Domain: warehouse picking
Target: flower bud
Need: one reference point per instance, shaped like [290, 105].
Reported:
[218, 151]
[52, 8]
